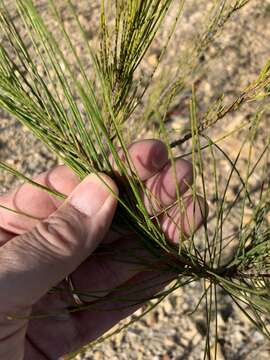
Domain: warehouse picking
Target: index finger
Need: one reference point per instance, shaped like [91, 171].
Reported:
[35, 202]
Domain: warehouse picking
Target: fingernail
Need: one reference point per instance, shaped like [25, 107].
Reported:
[91, 194]
[196, 215]
[160, 156]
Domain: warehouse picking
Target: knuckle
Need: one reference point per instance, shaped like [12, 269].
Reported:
[62, 234]
[184, 169]
[187, 167]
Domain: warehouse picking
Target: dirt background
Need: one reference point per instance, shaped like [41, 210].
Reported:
[170, 331]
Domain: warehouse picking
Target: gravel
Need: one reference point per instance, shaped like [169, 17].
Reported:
[172, 331]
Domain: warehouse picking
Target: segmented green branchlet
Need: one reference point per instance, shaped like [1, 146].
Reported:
[82, 120]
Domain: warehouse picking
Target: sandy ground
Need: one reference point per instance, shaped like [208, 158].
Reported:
[170, 331]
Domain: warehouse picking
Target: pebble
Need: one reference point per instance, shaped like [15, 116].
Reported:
[216, 352]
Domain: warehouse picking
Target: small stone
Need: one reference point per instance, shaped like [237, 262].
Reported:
[98, 355]
[201, 326]
[248, 216]
[216, 352]
[220, 321]
[258, 337]
[165, 357]
[169, 342]
[167, 307]
[153, 60]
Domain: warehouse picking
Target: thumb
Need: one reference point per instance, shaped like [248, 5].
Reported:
[36, 261]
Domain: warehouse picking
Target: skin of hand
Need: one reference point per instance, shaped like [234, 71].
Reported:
[38, 253]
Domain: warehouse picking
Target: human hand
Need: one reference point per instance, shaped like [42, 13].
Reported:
[36, 255]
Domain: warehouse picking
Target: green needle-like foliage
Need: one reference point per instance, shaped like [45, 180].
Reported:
[83, 115]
